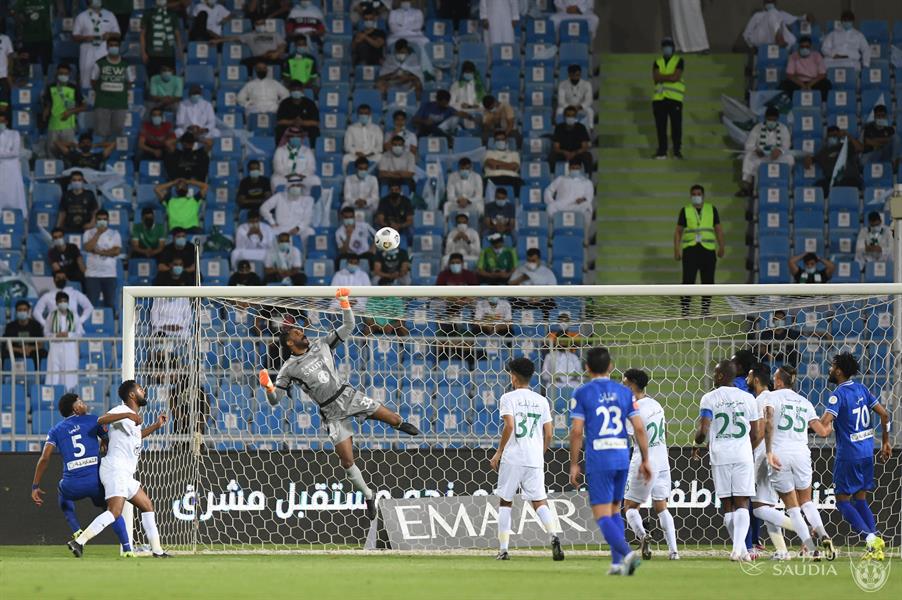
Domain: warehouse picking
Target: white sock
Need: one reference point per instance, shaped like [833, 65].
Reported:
[770, 514]
[666, 520]
[776, 536]
[798, 523]
[728, 523]
[869, 539]
[101, 522]
[814, 518]
[634, 520]
[356, 478]
[547, 519]
[740, 529]
[504, 527]
[149, 522]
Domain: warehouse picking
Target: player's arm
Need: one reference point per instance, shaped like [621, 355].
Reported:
[577, 425]
[772, 459]
[39, 469]
[820, 428]
[506, 432]
[158, 424]
[755, 432]
[886, 450]
[547, 436]
[642, 443]
[344, 331]
[110, 418]
[704, 423]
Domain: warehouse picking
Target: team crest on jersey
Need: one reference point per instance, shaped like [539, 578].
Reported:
[833, 400]
[572, 403]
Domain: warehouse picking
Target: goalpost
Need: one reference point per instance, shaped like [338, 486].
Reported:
[230, 473]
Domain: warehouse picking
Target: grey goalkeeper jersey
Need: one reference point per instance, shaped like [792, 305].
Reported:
[315, 370]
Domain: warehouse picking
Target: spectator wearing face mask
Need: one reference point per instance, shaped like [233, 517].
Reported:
[399, 120]
[301, 66]
[401, 70]
[78, 302]
[290, 211]
[102, 246]
[254, 189]
[392, 267]
[437, 118]
[111, 80]
[216, 14]
[368, 45]
[829, 153]
[811, 272]
[176, 274]
[464, 190]
[23, 325]
[533, 272]
[298, 112]
[195, 114]
[497, 262]
[261, 94]
[768, 142]
[698, 242]
[456, 273]
[397, 166]
[148, 236]
[845, 46]
[353, 237]
[572, 192]
[283, 263]
[245, 275]
[405, 22]
[770, 26]
[502, 165]
[570, 141]
[294, 159]
[500, 215]
[157, 136]
[499, 116]
[875, 241]
[667, 101]
[65, 257]
[83, 154]
[91, 30]
[351, 275]
[493, 316]
[161, 37]
[61, 103]
[577, 92]
[265, 46]
[879, 143]
[467, 93]
[562, 368]
[252, 239]
[62, 357]
[777, 342]
[363, 139]
[182, 199]
[179, 248]
[361, 190]
[463, 240]
[395, 210]
[77, 206]
[166, 88]
[806, 70]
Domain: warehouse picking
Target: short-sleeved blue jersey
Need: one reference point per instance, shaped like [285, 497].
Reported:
[741, 383]
[605, 406]
[851, 404]
[76, 440]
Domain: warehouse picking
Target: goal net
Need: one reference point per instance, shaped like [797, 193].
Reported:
[229, 472]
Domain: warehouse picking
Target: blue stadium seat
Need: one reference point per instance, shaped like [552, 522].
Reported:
[774, 246]
[844, 219]
[568, 271]
[202, 53]
[322, 244]
[876, 78]
[807, 121]
[539, 31]
[202, 75]
[840, 101]
[844, 198]
[773, 269]
[809, 241]
[878, 175]
[842, 242]
[806, 177]
[319, 271]
[773, 198]
[141, 271]
[101, 322]
[773, 221]
[843, 78]
[878, 272]
[773, 175]
[571, 53]
[847, 271]
[574, 31]
[423, 271]
[528, 241]
[809, 198]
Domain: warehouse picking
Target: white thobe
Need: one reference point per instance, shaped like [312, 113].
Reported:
[12, 190]
[751, 161]
[366, 189]
[563, 193]
[216, 14]
[362, 138]
[406, 24]
[78, 303]
[251, 247]
[562, 368]
[763, 26]
[294, 161]
[688, 26]
[344, 278]
[359, 240]
[62, 357]
[168, 312]
[881, 236]
[579, 95]
[851, 44]
[469, 188]
[262, 95]
[92, 23]
[284, 214]
[469, 247]
[197, 115]
[586, 9]
[6, 49]
[501, 15]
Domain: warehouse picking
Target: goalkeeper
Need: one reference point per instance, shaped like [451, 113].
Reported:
[312, 366]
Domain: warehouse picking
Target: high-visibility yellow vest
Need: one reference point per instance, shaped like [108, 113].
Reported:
[672, 90]
[62, 98]
[699, 228]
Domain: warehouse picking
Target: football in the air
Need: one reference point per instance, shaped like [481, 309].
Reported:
[387, 239]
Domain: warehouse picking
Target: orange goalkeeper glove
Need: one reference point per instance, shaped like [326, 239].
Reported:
[265, 381]
[342, 295]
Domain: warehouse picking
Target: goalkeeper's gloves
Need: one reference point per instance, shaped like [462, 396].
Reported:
[342, 295]
[266, 382]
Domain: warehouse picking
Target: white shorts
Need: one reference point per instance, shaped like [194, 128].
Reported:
[638, 488]
[118, 483]
[794, 474]
[764, 490]
[530, 481]
[736, 479]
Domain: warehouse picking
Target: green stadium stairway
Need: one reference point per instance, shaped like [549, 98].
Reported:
[638, 198]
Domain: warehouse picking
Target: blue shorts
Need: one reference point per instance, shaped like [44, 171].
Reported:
[851, 476]
[78, 488]
[606, 487]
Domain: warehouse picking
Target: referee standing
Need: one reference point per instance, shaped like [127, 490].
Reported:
[697, 236]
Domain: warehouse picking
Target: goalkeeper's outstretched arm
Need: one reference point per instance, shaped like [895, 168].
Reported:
[343, 331]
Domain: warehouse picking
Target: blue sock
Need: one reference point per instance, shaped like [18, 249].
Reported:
[852, 517]
[614, 536]
[621, 529]
[68, 508]
[867, 516]
[122, 534]
[751, 538]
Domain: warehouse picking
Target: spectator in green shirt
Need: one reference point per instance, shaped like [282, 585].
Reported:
[497, 262]
[148, 237]
[183, 205]
[389, 311]
[34, 22]
[166, 89]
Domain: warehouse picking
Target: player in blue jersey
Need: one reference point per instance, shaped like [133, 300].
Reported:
[76, 439]
[599, 413]
[849, 411]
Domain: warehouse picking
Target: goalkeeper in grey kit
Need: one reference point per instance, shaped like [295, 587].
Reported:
[312, 366]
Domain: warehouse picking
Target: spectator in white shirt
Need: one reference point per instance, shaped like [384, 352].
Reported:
[499, 18]
[252, 239]
[399, 118]
[283, 262]
[101, 246]
[78, 302]
[290, 211]
[845, 46]
[577, 92]
[874, 243]
[571, 192]
[569, 10]
[353, 237]
[406, 23]
[464, 190]
[493, 316]
[91, 29]
[397, 166]
[467, 93]
[263, 94]
[216, 14]
[532, 271]
[770, 26]
[62, 356]
[463, 239]
[401, 69]
[197, 116]
[562, 369]
[294, 158]
[363, 139]
[351, 275]
[361, 190]
[171, 317]
[767, 142]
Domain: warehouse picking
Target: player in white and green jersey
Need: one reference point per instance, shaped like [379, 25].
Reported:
[638, 488]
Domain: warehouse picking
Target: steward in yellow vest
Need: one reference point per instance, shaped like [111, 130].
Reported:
[697, 243]
[667, 101]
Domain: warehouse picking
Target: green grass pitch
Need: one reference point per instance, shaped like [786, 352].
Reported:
[50, 572]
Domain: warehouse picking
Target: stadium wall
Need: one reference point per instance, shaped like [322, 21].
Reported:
[297, 499]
